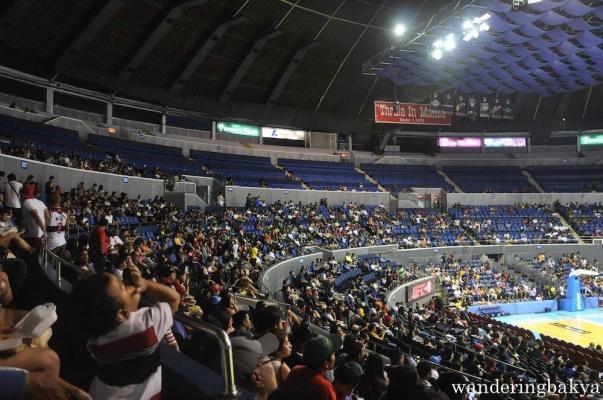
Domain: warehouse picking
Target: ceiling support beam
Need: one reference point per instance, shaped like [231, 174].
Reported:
[288, 73]
[244, 66]
[368, 94]
[348, 54]
[87, 34]
[201, 54]
[165, 23]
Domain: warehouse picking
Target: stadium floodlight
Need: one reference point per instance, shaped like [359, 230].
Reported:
[438, 44]
[473, 27]
[437, 54]
[449, 43]
[400, 30]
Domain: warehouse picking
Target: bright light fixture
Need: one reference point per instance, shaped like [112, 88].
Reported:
[467, 25]
[437, 54]
[438, 44]
[484, 27]
[449, 43]
[400, 30]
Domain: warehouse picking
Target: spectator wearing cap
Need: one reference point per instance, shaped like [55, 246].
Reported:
[347, 378]
[252, 365]
[309, 381]
[33, 211]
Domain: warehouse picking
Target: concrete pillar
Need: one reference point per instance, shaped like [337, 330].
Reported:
[50, 100]
[109, 113]
[163, 123]
[213, 130]
[350, 146]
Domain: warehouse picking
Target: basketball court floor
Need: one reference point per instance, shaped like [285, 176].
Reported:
[581, 327]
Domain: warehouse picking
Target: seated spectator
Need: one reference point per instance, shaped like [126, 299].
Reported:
[374, 381]
[253, 368]
[284, 351]
[241, 323]
[109, 313]
[83, 260]
[10, 236]
[347, 378]
[308, 381]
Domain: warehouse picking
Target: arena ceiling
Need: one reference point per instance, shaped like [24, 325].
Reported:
[306, 54]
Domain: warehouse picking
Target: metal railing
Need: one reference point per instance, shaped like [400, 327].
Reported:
[55, 268]
[226, 357]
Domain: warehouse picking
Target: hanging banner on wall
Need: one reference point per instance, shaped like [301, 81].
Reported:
[409, 113]
[448, 104]
[507, 109]
[484, 108]
[496, 111]
[461, 106]
[472, 109]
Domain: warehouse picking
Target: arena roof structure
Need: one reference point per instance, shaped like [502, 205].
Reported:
[333, 57]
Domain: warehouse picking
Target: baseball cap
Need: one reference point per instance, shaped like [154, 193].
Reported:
[28, 191]
[319, 349]
[216, 288]
[349, 373]
[247, 353]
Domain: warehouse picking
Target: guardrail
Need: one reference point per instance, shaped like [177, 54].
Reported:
[56, 267]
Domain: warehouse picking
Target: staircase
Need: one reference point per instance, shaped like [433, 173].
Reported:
[532, 181]
[371, 180]
[292, 176]
[448, 180]
[571, 229]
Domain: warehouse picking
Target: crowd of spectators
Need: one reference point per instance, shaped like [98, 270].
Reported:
[196, 261]
[586, 219]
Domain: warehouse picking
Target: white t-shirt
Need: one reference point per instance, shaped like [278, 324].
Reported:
[12, 197]
[32, 229]
[142, 331]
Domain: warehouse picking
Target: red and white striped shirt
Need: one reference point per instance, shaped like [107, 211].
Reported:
[133, 340]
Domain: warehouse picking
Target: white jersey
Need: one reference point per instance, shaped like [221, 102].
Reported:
[56, 228]
[33, 230]
[12, 194]
[137, 337]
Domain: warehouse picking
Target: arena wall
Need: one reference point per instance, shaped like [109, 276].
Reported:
[236, 196]
[68, 178]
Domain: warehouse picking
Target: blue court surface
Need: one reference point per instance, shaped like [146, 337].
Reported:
[581, 327]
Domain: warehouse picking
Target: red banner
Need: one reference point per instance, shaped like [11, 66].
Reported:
[410, 113]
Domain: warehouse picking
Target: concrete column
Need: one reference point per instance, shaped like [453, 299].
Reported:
[350, 146]
[213, 130]
[109, 113]
[50, 100]
[163, 123]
